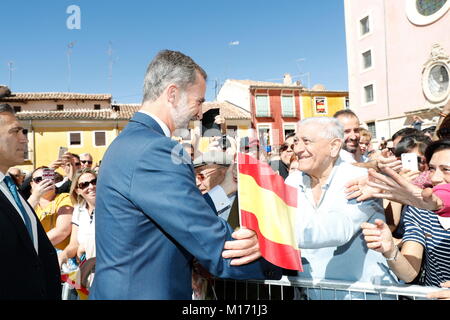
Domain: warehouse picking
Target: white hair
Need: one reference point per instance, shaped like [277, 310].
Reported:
[331, 127]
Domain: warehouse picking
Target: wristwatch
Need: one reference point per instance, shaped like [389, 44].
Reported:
[394, 258]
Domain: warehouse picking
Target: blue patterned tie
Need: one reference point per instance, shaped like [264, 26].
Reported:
[13, 189]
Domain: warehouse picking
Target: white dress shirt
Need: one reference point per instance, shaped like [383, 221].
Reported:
[7, 193]
[329, 233]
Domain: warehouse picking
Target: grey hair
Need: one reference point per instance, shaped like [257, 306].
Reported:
[331, 127]
[4, 107]
[169, 67]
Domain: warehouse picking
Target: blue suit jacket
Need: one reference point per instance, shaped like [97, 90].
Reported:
[151, 221]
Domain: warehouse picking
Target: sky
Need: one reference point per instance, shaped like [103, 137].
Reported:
[246, 39]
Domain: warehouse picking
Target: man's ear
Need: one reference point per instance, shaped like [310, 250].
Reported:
[171, 94]
[335, 147]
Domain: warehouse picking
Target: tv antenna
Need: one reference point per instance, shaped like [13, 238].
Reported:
[11, 69]
[111, 62]
[69, 64]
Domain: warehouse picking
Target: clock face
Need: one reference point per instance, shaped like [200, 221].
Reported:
[438, 80]
[429, 7]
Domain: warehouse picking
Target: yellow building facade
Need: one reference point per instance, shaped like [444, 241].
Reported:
[322, 103]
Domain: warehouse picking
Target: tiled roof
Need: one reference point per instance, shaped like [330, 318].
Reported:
[126, 111]
[265, 84]
[123, 112]
[76, 114]
[227, 110]
[20, 96]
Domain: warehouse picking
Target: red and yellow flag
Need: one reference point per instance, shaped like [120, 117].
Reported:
[72, 278]
[268, 206]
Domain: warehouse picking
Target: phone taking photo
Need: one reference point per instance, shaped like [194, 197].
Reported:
[410, 161]
[61, 152]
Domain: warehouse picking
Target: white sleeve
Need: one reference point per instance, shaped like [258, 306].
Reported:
[220, 199]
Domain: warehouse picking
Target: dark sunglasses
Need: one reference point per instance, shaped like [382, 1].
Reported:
[284, 147]
[84, 185]
[86, 161]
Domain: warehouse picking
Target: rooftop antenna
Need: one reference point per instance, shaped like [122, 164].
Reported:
[11, 69]
[69, 65]
[308, 74]
[111, 62]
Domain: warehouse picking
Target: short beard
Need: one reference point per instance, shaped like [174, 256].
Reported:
[352, 150]
[180, 114]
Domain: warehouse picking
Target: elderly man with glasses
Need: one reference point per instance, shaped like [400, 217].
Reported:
[86, 160]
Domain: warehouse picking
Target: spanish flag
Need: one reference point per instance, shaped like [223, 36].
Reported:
[268, 206]
[72, 278]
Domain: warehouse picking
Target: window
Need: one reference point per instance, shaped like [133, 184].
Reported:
[99, 138]
[364, 25]
[97, 107]
[287, 129]
[287, 106]
[429, 7]
[424, 12]
[438, 79]
[372, 129]
[17, 109]
[320, 105]
[264, 134]
[262, 106]
[232, 131]
[74, 139]
[60, 107]
[368, 93]
[26, 154]
[367, 59]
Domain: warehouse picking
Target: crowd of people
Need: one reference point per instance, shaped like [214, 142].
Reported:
[163, 219]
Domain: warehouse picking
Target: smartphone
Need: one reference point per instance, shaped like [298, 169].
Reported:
[48, 174]
[62, 150]
[410, 161]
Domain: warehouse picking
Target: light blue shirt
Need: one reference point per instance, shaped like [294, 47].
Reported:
[329, 234]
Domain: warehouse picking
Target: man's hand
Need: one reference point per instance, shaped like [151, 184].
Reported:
[244, 249]
[359, 189]
[229, 184]
[378, 237]
[441, 295]
[397, 188]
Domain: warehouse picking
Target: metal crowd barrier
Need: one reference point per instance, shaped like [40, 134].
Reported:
[305, 289]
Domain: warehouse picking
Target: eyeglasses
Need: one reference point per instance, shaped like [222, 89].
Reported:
[37, 179]
[86, 161]
[84, 185]
[285, 147]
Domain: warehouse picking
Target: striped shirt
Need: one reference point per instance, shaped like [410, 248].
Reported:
[423, 226]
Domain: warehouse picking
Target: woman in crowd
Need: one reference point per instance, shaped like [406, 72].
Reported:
[281, 166]
[427, 234]
[415, 143]
[82, 239]
[53, 210]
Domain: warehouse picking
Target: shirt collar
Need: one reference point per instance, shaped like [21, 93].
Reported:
[305, 182]
[163, 126]
[2, 176]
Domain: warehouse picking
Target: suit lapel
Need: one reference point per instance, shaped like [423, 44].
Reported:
[10, 211]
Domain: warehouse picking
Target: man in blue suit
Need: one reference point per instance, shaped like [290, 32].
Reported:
[151, 219]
